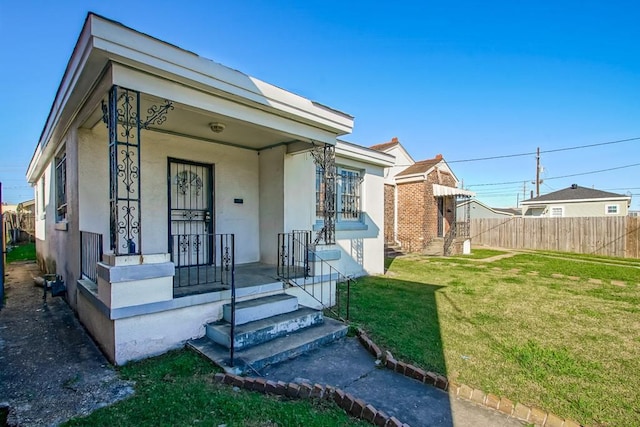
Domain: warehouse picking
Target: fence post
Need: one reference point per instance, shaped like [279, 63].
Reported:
[3, 250]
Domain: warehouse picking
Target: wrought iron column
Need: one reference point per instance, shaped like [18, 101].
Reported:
[325, 158]
[122, 116]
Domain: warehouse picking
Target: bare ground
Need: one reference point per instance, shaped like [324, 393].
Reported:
[50, 369]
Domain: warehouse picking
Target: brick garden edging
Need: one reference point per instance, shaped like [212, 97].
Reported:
[517, 410]
[351, 405]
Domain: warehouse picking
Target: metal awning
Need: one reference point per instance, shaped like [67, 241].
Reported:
[443, 191]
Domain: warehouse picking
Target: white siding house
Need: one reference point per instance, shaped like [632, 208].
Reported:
[576, 201]
[160, 176]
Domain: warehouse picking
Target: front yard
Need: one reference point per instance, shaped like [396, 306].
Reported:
[544, 329]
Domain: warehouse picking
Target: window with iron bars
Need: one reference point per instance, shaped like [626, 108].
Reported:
[61, 186]
[348, 194]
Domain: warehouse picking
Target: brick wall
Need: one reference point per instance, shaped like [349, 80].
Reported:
[411, 216]
[389, 215]
[418, 211]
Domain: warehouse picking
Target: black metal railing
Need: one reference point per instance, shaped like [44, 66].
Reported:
[463, 229]
[203, 262]
[301, 266]
[90, 254]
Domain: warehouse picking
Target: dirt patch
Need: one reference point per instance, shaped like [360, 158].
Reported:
[51, 369]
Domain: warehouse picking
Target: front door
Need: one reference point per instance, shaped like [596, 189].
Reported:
[440, 217]
[191, 225]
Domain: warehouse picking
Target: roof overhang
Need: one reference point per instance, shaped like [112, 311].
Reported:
[444, 191]
[555, 202]
[109, 53]
[357, 152]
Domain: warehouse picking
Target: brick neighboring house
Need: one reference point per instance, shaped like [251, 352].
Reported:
[420, 204]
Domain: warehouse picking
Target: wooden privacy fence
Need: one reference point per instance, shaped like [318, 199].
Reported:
[611, 236]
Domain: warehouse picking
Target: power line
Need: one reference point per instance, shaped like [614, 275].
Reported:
[555, 150]
[558, 177]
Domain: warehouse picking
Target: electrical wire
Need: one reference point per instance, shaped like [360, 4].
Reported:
[555, 150]
[557, 177]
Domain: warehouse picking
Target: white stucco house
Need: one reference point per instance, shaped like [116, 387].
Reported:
[576, 201]
[168, 186]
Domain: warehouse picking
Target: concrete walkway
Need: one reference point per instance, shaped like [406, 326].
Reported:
[50, 370]
[347, 365]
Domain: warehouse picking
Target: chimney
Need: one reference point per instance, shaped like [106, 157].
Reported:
[394, 139]
[439, 156]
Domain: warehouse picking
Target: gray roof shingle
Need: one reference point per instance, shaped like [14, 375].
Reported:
[575, 192]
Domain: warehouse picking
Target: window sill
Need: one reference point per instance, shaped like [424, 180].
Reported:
[343, 226]
[62, 226]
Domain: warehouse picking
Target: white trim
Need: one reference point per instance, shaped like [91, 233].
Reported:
[552, 202]
[357, 152]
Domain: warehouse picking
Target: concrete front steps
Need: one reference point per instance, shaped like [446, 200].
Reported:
[268, 330]
[435, 247]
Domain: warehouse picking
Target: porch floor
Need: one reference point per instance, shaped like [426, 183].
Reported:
[247, 275]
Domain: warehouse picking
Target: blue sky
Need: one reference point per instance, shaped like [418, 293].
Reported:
[466, 79]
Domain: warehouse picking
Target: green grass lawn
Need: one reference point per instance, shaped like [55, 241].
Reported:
[571, 347]
[24, 252]
[177, 389]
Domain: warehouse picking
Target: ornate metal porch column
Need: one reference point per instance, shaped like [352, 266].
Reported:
[325, 158]
[122, 116]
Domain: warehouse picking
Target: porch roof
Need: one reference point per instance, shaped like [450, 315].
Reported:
[108, 52]
[444, 191]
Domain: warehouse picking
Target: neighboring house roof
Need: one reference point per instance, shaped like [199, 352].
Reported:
[510, 211]
[422, 166]
[574, 193]
[386, 145]
[505, 211]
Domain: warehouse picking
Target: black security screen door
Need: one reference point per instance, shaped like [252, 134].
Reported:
[191, 225]
[440, 217]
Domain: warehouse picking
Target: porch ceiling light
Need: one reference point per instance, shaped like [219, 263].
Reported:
[217, 127]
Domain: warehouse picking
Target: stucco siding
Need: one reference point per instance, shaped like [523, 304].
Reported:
[579, 209]
[235, 177]
[271, 202]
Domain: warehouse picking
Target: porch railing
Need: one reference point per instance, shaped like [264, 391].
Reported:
[90, 254]
[202, 261]
[325, 284]
[463, 229]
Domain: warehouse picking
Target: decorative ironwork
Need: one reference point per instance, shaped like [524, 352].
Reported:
[325, 159]
[186, 180]
[157, 114]
[121, 113]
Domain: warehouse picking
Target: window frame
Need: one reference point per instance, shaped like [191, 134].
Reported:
[551, 209]
[60, 174]
[342, 223]
[351, 179]
[612, 205]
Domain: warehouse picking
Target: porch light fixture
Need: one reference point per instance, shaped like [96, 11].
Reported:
[217, 127]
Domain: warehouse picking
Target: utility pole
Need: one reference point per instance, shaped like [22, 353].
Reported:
[524, 190]
[538, 172]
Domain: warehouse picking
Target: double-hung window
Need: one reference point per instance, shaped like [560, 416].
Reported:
[556, 211]
[348, 196]
[611, 209]
[349, 199]
[61, 187]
